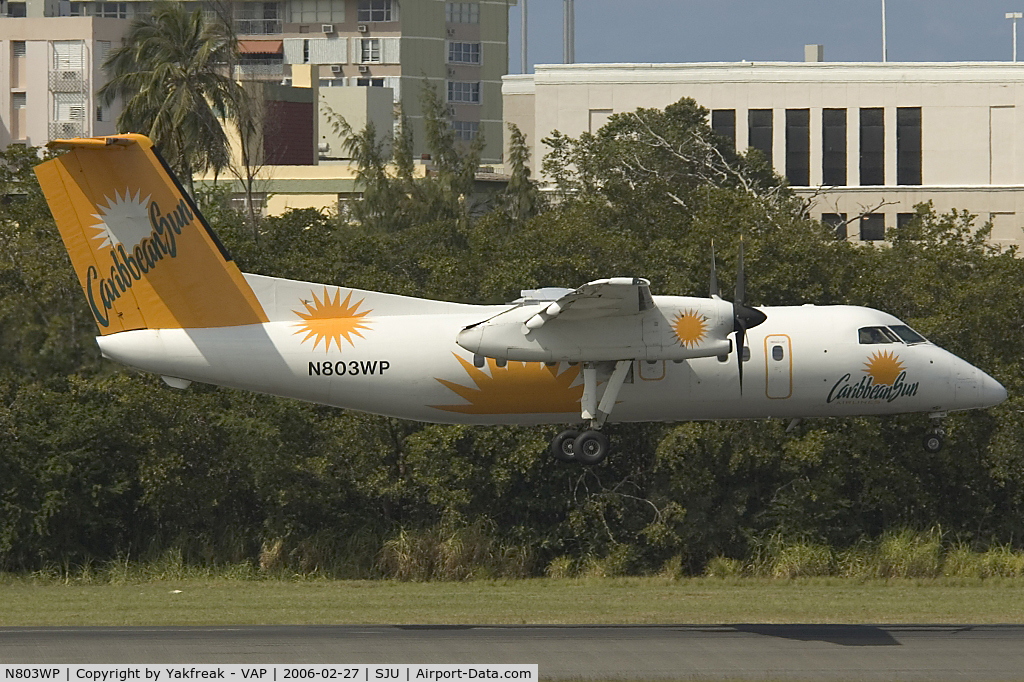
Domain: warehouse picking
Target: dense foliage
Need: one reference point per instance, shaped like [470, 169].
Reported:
[97, 461]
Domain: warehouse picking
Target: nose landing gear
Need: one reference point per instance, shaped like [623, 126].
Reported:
[934, 439]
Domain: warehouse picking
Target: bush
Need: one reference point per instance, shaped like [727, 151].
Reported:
[803, 560]
[560, 567]
[723, 567]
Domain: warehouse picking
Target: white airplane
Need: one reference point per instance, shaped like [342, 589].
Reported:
[168, 299]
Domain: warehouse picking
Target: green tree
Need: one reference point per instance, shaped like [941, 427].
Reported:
[520, 199]
[172, 75]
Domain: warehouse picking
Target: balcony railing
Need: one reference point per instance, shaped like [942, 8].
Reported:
[67, 81]
[259, 72]
[257, 27]
[65, 129]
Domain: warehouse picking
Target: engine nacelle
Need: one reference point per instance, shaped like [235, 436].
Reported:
[675, 328]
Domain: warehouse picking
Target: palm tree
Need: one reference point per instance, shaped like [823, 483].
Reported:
[173, 75]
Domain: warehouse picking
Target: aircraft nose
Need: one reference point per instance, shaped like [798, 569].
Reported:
[992, 392]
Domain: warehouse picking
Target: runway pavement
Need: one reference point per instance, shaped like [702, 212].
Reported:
[819, 652]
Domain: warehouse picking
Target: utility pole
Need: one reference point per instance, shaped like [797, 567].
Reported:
[569, 26]
[524, 62]
[885, 53]
[1014, 16]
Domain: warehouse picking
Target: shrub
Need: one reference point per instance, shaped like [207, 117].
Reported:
[723, 567]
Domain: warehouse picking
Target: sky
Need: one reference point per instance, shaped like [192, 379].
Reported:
[769, 30]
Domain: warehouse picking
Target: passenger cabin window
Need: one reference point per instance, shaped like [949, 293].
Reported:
[877, 335]
[777, 353]
[907, 334]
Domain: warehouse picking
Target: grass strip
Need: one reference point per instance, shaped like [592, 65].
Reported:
[216, 601]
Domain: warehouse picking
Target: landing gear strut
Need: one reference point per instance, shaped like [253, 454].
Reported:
[591, 446]
[934, 439]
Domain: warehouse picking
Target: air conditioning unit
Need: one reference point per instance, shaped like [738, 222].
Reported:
[364, 69]
[361, 28]
[451, 33]
[335, 68]
[451, 110]
[327, 28]
[451, 72]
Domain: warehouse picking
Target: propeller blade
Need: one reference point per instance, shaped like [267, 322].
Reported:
[714, 276]
[741, 332]
[741, 281]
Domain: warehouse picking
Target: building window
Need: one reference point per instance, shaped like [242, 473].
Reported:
[369, 50]
[798, 147]
[376, 10]
[240, 203]
[837, 221]
[109, 10]
[257, 18]
[459, 91]
[68, 55]
[833, 146]
[16, 9]
[760, 132]
[370, 82]
[908, 146]
[19, 100]
[68, 106]
[723, 122]
[17, 48]
[872, 146]
[466, 130]
[464, 53]
[872, 227]
[462, 13]
[100, 114]
[316, 11]
[903, 219]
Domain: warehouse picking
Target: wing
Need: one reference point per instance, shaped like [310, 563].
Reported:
[615, 296]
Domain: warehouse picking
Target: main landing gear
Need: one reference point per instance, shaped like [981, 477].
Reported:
[934, 439]
[590, 446]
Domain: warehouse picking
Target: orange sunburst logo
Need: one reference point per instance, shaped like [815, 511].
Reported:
[329, 320]
[516, 388]
[884, 367]
[690, 328]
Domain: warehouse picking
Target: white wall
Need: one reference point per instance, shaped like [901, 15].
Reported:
[970, 112]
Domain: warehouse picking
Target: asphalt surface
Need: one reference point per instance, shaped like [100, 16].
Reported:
[818, 652]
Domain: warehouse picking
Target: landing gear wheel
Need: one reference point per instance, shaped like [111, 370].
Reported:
[933, 442]
[590, 447]
[562, 445]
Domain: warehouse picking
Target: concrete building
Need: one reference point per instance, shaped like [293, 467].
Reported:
[49, 72]
[459, 48]
[864, 142]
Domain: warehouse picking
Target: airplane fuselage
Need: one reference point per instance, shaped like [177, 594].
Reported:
[804, 361]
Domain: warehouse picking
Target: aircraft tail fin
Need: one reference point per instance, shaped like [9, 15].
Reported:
[145, 257]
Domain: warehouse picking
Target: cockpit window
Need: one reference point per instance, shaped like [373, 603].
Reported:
[907, 334]
[877, 335]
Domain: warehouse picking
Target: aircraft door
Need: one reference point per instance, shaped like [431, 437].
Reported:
[778, 362]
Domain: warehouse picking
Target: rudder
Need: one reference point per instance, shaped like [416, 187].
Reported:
[144, 255]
